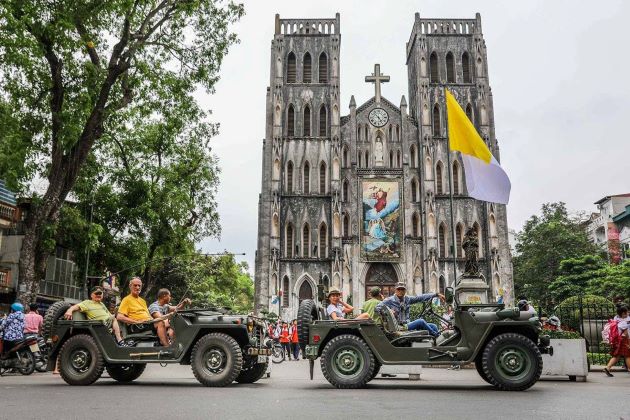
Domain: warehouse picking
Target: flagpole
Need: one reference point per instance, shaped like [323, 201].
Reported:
[450, 191]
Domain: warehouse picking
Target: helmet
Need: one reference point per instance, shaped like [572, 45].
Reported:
[554, 320]
[17, 307]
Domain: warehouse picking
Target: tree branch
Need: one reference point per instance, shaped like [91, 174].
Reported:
[82, 31]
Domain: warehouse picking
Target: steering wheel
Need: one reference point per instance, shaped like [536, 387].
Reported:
[427, 310]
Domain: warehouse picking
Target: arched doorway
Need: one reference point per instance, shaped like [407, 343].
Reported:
[305, 292]
[382, 275]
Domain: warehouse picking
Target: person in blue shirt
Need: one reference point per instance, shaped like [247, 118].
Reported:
[12, 327]
[400, 303]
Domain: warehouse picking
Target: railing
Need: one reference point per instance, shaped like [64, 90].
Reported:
[5, 278]
[8, 212]
[587, 318]
[325, 26]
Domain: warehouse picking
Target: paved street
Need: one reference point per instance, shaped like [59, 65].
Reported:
[172, 391]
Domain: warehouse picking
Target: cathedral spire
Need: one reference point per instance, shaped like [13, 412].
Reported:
[353, 103]
[377, 78]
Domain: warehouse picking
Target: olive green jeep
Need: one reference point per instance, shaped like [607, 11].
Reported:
[221, 348]
[504, 344]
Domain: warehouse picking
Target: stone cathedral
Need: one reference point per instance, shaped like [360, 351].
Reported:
[364, 199]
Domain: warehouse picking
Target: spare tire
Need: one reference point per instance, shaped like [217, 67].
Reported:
[307, 313]
[54, 312]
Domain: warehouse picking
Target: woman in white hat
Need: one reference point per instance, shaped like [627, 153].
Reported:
[337, 309]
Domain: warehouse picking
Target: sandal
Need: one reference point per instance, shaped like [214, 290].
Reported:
[607, 372]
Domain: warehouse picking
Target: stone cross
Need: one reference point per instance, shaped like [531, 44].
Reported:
[377, 78]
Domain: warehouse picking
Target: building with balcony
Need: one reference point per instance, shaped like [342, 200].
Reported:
[610, 228]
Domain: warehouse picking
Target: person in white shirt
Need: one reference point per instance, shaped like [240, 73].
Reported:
[337, 309]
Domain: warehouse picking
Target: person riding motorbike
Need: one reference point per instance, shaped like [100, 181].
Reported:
[12, 327]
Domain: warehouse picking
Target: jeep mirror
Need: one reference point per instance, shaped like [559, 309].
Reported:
[448, 295]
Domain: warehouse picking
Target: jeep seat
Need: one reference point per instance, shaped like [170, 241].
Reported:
[79, 316]
[394, 331]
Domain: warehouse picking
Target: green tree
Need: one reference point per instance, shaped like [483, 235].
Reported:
[543, 243]
[73, 72]
[613, 281]
[575, 276]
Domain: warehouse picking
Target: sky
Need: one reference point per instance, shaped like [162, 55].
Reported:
[558, 70]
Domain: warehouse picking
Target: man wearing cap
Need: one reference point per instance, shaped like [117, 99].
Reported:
[95, 310]
[337, 309]
[400, 303]
[369, 305]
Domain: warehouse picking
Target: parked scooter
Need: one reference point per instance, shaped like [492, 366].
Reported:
[20, 357]
[41, 356]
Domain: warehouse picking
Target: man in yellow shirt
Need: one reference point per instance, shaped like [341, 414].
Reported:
[133, 310]
[95, 310]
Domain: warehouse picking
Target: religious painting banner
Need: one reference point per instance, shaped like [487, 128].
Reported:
[381, 224]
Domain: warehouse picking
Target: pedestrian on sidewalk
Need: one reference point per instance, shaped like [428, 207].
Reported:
[621, 345]
[285, 340]
[33, 321]
[295, 342]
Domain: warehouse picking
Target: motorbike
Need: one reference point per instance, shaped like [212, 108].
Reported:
[41, 357]
[20, 357]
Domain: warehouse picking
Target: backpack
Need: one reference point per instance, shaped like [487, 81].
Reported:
[610, 332]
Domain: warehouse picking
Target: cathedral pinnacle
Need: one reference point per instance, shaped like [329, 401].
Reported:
[353, 103]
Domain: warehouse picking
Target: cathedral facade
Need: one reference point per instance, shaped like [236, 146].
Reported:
[365, 199]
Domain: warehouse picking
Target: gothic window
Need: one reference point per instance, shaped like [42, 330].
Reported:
[322, 121]
[306, 69]
[459, 234]
[367, 159]
[466, 68]
[442, 240]
[323, 241]
[398, 160]
[285, 292]
[415, 222]
[456, 178]
[433, 67]
[397, 132]
[306, 241]
[358, 132]
[469, 113]
[344, 157]
[450, 68]
[289, 241]
[494, 238]
[323, 68]
[322, 178]
[291, 70]
[412, 156]
[365, 138]
[344, 191]
[307, 178]
[346, 226]
[439, 186]
[414, 191]
[479, 241]
[290, 177]
[442, 286]
[391, 159]
[307, 121]
[391, 132]
[290, 122]
[436, 121]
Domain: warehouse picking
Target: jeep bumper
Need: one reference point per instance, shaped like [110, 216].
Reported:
[543, 345]
[255, 351]
[312, 351]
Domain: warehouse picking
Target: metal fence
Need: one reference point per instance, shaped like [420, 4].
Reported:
[587, 318]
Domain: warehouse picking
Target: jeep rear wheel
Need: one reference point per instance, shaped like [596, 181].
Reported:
[347, 362]
[125, 372]
[80, 360]
[511, 362]
[307, 313]
[252, 374]
[216, 359]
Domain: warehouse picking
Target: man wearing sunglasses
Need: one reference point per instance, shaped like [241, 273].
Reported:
[95, 310]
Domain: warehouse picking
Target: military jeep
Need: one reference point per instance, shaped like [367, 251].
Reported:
[504, 344]
[221, 348]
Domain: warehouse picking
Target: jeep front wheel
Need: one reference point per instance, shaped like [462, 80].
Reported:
[80, 360]
[216, 360]
[511, 362]
[125, 372]
[347, 362]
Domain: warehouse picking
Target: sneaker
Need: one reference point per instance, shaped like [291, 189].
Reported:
[122, 343]
[607, 372]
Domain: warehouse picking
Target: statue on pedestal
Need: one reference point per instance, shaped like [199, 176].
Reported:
[471, 249]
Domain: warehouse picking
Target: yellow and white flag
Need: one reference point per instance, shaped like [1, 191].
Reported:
[485, 179]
